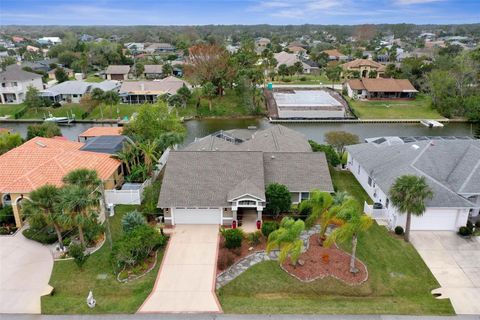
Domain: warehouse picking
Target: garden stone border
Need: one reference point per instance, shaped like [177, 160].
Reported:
[139, 276]
[90, 250]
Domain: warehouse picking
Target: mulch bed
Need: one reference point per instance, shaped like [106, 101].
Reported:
[316, 265]
[228, 257]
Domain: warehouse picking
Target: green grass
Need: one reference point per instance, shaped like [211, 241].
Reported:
[310, 79]
[62, 111]
[345, 181]
[72, 285]
[9, 109]
[395, 109]
[399, 281]
[110, 112]
[93, 78]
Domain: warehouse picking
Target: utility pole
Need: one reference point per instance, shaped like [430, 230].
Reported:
[107, 215]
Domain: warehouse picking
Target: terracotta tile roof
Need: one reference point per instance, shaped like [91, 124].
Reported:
[381, 85]
[101, 131]
[355, 84]
[334, 53]
[357, 63]
[41, 161]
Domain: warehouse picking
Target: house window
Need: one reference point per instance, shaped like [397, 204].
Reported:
[370, 181]
[387, 202]
[14, 84]
[246, 203]
[304, 196]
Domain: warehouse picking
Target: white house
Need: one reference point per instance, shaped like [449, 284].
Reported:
[49, 40]
[73, 91]
[14, 83]
[451, 169]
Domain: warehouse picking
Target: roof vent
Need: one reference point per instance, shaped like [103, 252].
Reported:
[40, 144]
[414, 146]
[272, 156]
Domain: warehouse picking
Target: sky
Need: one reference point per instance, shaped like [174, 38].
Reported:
[202, 12]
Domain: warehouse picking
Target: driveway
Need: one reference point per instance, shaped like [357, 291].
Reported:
[186, 279]
[25, 269]
[455, 263]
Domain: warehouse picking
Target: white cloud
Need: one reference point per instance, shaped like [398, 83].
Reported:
[408, 2]
[298, 9]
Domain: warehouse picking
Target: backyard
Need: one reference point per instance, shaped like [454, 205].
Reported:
[395, 109]
[303, 79]
[71, 285]
[399, 282]
[64, 111]
[10, 109]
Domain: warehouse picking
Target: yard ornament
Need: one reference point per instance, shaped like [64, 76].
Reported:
[91, 302]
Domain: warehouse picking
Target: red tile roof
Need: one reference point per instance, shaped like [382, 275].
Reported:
[41, 161]
[101, 131]
[382, 85]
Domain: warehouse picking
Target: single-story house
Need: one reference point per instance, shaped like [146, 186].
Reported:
[205, 185]
[72, 91]
[364, 67]
[14, 84]
[149, 91]
[335, 55]
[297, 50]
[41, 161]
[153, 71]
[70, 73]
[380, 88]
[159, 48]
[99, 131]
[117, 72]
[289, 59]
[450, 167]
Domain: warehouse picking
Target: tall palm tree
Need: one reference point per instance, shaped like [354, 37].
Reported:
[42, 205]
[82, 177]
[354, 223]
[318, 203]
[78, 204]
[408, 194]
[149, 150]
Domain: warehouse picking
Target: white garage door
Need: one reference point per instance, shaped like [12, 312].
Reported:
[197, 216]
[436, 220]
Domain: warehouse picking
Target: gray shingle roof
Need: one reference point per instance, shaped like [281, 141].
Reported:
[15, 73]
[117, 69]
[451, 167]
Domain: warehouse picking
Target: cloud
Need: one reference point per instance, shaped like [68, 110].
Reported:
[298, 9]
[408, 2]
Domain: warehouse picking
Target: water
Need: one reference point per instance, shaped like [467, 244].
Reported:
[314, 131]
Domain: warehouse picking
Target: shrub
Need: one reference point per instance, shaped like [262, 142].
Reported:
[477, 224]
[279, 199]
[44, 235]
[46, 130]
[6, 215]
[131, 220]
[233, 238]
[92, 232]
[399, 230]
[150, 200]
[254, 238]
[303, 78]
[268, 227]
[464, 231]
[225, 260]
[330, 153]
[470, 226]
[77, 251]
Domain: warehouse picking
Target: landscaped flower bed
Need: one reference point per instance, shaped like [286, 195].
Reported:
[228, 257]
[320, 262]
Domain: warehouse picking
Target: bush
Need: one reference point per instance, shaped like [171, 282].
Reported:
[44, 235]
[254, 238]
[77, 251]
[399, 230]
[92, 232]
[6, 215]
[46, 130]
[225, 260]
[150, 200]
[464, 231]
[303, 78]
[268, 227]
[233, 238]
[131, 220]
[330, 153]
[477, 224]
[279, 199]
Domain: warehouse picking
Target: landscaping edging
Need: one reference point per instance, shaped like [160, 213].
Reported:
[89, 251]
[139, 276]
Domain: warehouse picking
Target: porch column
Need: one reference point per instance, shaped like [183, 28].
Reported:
[259, 213]
[16, 214]
[234, 214]
[2, 99]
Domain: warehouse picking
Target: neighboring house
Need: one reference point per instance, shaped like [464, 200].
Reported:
[117, 72]
[261, 44]
[135, 46]
[86, 38]
[49, 40]
[41, 65]
[451, 169]
[149, 91]
[159, 48]
[32, 49]
[18, 39]
[380, 88]
[73, 91]
[289, 59]
[41, 161]
[14, 83]
[51, 74]
[98, 132]
[363, 67]
[297, 50]
[153, 71]
[335, 55]
[204, 185]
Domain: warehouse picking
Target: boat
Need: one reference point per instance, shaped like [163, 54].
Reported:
[59, 120]
[431, 123]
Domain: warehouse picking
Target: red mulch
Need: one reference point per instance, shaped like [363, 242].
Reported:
[315, 266]
[227, 257]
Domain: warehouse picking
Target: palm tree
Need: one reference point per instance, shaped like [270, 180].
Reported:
[169, 139]
[42, 205]
[318, 203]
[408, 194]
[287, 239]
[82, 177]
[77, 203]
[354, 223]
[209, 91]
[149, 150]
[124, 157]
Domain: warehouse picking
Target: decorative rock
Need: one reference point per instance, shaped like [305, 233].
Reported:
[301, 262]
[250, 249]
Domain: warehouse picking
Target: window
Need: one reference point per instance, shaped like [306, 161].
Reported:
[387, 202]
[370, 181]
[304, 196]
[247, 203]
[15, 84]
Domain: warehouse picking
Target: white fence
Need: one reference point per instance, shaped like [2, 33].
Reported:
[136, 196]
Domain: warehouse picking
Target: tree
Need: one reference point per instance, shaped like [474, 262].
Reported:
[209, 93]
[111, 98]
[84, 178]
[372, 74]
[43, 205]
[131, 220]
[340, 139]
[9, 141]
[408, 194]
[354, 223]
[332, 156]
[7, 61]
[278, 199]
[61, 75]
[167, 69]
[33, 99]
[185, 93]
[150, 151]
[287, 239]
[139, 69]
[283, 70]
[333, 74]
[318, 203]
[78, 253]
[46, 130]
[298, 67]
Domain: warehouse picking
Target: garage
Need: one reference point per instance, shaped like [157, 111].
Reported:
[437, 220]
[197, 216]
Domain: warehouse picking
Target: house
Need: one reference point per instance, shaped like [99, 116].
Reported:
[86, 38]
[41, 161]
[15, 82]
[380, 88]
[149, 91]
[297, 50]
[135, 46]
[117, 72]
[98, 132]
[30, 48]
[262, 43]
[228, 183]
[41, 65]
[51, 74]
[159, 48]
[450, 167]
[49, 40]
[364, 67]
[289, 59]
[153, 71]
[73, 91]
[335, 55]
[18, 39]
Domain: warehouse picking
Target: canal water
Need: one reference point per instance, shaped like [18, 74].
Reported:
[314, 131]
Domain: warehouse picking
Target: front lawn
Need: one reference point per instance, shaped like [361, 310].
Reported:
[399, 281]
[72, 285]
[395, 109]
[64, 111]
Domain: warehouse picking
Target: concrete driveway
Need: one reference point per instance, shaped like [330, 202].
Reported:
[25, 269]
[455, 263]
[186, 279]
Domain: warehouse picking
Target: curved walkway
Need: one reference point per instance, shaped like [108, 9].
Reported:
[25, 269]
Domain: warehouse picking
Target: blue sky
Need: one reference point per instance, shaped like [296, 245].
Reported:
[200, 12]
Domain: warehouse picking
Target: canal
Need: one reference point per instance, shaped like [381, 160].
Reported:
[314, 131]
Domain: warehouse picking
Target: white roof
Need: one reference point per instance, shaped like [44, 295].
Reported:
[305, 98]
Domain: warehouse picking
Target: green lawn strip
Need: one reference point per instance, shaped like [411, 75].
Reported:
[92, 78]
[72, 285]
[343, 180]
[307, 79]
[110, 112]
[399, 281]
[419, 108]
[63, 111]
[10, 109]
